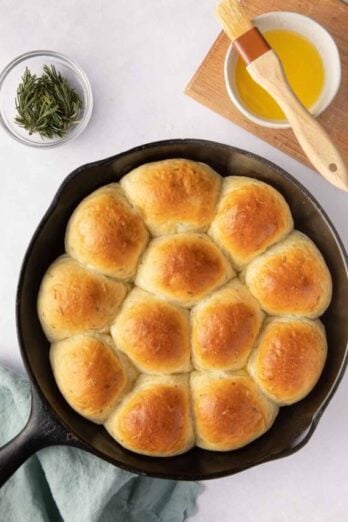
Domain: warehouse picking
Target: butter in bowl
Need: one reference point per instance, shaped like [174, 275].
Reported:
[267, 70]
[311, 62]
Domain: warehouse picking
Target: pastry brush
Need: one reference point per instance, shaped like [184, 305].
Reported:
[265, 68]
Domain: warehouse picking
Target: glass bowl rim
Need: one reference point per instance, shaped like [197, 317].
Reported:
[83, 78]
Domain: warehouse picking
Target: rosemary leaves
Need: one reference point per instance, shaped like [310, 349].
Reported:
[47, 104]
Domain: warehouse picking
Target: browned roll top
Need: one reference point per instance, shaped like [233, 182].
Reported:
[291, 278]
[224, 328]
[174, 195]
[153, 333]
[183, 267]
[229, 410]
[75, 300]
[190, 268]
[89, 374]
[289, 358]
[106, 233]
[155, 419]
[250, 217]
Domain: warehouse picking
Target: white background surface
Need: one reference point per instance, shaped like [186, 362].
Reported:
[139, 55]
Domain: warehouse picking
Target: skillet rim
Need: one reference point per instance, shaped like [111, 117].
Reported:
[82, 444]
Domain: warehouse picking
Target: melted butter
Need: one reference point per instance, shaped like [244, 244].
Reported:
[303, 67]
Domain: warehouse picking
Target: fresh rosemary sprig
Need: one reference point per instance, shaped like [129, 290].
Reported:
[47, 104]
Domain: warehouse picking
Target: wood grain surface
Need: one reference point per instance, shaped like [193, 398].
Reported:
[208, 85]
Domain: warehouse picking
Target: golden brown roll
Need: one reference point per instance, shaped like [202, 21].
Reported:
[155, 418]
[153, 333]
[229, 410]
[105, 233]
[90, 375]
[291, 278]
[289, 358]
[183, 268]
[73, 300]
[224, 328]
[175, 195]
[251, 216]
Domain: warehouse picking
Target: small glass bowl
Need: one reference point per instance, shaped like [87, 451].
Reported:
[11, 77]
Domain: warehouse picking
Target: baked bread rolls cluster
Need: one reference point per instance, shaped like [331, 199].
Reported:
[185, 309]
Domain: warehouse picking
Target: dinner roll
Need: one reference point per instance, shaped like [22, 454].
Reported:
[289, 358]
[90, 375]
[155, 418]
[251, 216]
[105, 233]
[291, 278]
[153, 333]
[183, 268]
[73, 300]
[229, 410]
[224, 328]
[175, 195]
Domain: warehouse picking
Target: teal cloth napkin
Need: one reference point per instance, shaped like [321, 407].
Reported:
[61, 483]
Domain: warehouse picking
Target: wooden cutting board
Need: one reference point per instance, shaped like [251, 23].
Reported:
[208, 85]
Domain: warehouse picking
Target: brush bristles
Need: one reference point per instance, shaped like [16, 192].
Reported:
[233, 19]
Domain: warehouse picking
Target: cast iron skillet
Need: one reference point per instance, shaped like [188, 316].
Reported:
[53, 422]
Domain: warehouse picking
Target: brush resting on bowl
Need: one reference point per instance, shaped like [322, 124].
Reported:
[185, 309]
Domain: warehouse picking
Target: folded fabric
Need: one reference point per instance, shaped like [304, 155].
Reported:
[61, 483]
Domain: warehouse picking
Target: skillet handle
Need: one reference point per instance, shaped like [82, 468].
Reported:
[41, 430]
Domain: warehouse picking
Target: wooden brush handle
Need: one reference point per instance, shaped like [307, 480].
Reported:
[267, 71]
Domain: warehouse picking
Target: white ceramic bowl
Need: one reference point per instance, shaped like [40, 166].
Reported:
[320, 38]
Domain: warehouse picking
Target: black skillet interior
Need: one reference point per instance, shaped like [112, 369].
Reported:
[294, 424]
